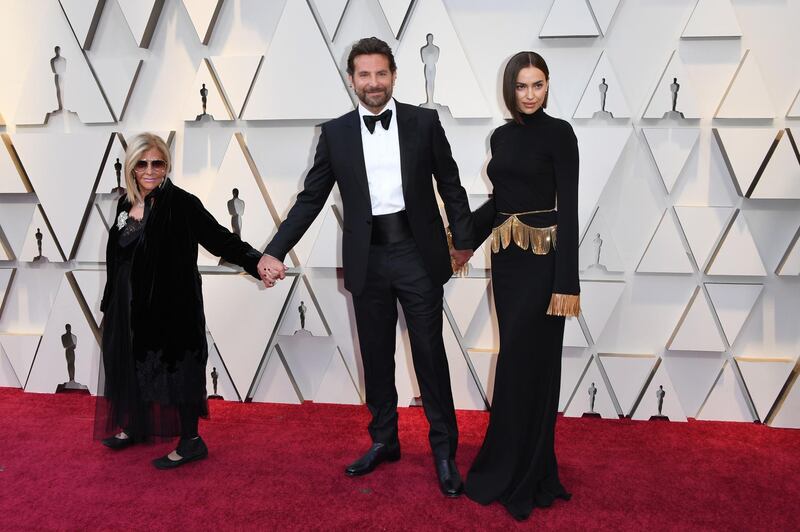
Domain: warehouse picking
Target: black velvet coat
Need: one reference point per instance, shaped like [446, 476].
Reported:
[167, 298]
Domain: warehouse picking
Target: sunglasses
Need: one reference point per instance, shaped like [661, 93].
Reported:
[158, 165]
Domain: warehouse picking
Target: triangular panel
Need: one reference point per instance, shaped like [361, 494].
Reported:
[781, 177]
[764, 379]
[592, 386]
[236, 75]
[297, 41]
[65, 206]
[600, 149]
[597, 251]
[30, 248]
[225, 387]
[108, 178]
[696, 330]
[83, 16]
[141, 16]
[455, 85]
[747, 95]
[337, 384]
[51, 365]
[463, 296]
[738, 254]
[703, 227]
[790, 263]
[573, 334]
[745, 152]
[627, 374]
[20, 350]
[244, 211]
[91, 284]
[788, 413]
[118, 76]
[331, 11]
[215, 105]
[660, 390]
[673, 85]
[733, 304]
[307, 358]
[603, 92]
[726, 401]
[484, 362]
[569, 18]
[15, 222]
[312, 323]
[10, 181]
[204, 15]
[665, 252]
[276, 384]
[712, 18]
[242, 336]
[466, 394]
[598, 301]
[77, 86]
[671, 148]
[395, 12]
[92, 246]
[574, 362]
[604, 12]
[794, 110]
[327, 250]
[8, 377]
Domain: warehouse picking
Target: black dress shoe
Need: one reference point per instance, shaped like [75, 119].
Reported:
[449, 479]
[189, 449]
[118, 443]
[377, 454]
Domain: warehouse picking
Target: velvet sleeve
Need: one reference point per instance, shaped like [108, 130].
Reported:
[565, 300]
[220, 241]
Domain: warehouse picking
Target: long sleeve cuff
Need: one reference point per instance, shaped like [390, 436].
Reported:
[564, 305]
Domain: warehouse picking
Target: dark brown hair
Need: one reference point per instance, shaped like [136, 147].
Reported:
[517, 62]
[368, 46]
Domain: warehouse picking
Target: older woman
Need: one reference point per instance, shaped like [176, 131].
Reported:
[154, 333]
[533, 220]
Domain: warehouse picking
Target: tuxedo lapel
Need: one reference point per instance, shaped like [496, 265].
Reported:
[356, 155]
[406, 132]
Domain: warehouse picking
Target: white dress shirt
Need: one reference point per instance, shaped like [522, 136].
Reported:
[382, 160]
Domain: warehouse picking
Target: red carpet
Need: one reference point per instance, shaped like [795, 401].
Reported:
[276, 466]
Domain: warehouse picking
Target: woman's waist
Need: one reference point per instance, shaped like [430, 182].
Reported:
[532, 218]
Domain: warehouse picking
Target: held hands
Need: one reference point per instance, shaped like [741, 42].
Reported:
[271, 269]
[459, 258]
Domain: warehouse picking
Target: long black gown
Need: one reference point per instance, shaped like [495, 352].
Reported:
[534, 167]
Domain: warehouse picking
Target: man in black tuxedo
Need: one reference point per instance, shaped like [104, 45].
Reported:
[382, 155]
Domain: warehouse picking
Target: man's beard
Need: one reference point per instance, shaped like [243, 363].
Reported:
[376, 99]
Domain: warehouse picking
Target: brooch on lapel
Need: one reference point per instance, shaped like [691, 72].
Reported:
[122, 219]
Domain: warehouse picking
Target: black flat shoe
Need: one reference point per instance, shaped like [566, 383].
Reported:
[377, 454]
[118, 444]
[449, 478]
[189, 450]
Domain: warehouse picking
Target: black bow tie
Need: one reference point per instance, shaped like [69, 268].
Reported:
[385, 118]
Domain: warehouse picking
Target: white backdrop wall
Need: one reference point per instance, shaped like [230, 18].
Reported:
[698, 218]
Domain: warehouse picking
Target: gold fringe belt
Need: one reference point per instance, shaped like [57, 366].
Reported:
[540, 240]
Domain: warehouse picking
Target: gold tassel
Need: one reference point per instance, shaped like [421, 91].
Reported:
[564, 305]
[540, 239]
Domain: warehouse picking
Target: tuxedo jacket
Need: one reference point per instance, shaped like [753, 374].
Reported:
[339, 159]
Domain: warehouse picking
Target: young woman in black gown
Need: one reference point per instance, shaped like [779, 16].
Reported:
[533, 221]
[153, 381]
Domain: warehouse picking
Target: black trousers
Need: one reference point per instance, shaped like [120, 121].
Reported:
[396, 273]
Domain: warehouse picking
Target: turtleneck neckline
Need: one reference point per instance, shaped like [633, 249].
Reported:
[533, 117]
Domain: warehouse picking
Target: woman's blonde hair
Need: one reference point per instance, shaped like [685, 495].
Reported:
[136, 147]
